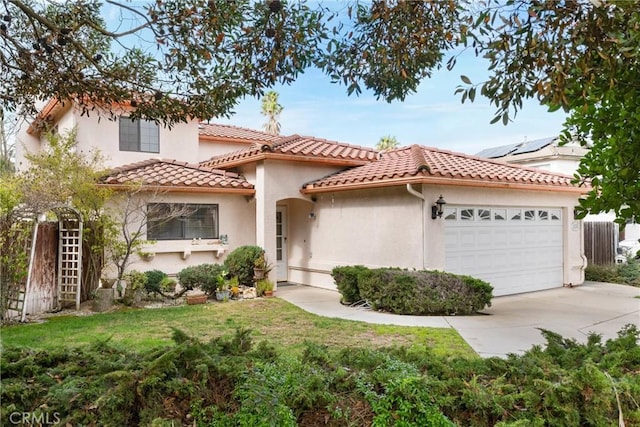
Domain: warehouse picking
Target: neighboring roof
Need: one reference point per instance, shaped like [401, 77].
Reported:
[171, 175]
[297, 148]
[519, 148]
[217, 131]
[418, 164]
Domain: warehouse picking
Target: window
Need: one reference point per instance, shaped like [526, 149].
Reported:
[484, 214]
[543, 215]
[466, 214]
[139, 135]
[529, 215]
[167, 221]
[450, 214]
[515, 214]
[499, 214]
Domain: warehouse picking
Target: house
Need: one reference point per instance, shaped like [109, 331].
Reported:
[545, 153]
[314, 204]
[549, 154]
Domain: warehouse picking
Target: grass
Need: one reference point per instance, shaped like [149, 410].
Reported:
[276, 320]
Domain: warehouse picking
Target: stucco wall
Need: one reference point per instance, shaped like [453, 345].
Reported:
[98, 132]
[385, 227]
[237, 221]
[178, 143]
[376, 228]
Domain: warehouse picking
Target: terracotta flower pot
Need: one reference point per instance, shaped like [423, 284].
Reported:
[196, 299]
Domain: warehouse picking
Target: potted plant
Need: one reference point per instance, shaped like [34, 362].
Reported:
[261, 267]
[136, 281]
[234, 288]
[264, 287]
[222, 290]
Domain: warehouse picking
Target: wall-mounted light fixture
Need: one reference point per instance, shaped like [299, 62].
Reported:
[436, 210]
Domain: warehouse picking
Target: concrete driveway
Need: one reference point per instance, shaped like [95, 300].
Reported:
[512, 323]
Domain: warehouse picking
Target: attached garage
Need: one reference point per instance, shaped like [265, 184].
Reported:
[516, 249]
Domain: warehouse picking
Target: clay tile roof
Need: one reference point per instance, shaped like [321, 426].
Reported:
[219, 131]
[418, 164]
[296, 147]
[175, 175]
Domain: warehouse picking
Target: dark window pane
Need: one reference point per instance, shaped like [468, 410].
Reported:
[138, 135]
[181, 221]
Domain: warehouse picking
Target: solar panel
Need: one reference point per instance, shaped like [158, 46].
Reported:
[531, 146]
[495, 152]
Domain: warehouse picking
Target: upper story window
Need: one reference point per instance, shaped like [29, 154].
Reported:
[139, 135]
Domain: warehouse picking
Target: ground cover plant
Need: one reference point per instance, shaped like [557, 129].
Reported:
[626, 273]
[422, 292]
[232, 380]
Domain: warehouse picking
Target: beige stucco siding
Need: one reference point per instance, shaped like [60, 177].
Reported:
[385, 227]
[178, 143]
[376, 228]
[236, 220]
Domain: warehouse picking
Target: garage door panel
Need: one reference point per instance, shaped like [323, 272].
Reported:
[517, 254]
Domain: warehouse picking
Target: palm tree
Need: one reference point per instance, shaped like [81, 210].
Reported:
[387, 143]
[272, 110]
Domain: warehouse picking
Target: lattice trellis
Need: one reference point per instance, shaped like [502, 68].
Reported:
[69, 258]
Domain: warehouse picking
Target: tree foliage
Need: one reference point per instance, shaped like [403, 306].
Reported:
[582, 57]
[198, 58]
[387, 142]
[272, 110]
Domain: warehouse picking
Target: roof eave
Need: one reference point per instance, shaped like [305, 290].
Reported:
[445, 181]
[183, 189]
[289, 157]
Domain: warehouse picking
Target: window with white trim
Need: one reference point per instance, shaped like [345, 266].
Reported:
[139, 135]
[178, 221]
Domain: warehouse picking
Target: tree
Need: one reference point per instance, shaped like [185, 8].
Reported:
[582, 57]
[387, 143]
[198, 58]
[128, 219]
[271, 109]
[7, 145]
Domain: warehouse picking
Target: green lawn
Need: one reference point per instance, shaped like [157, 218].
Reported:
[273, 319]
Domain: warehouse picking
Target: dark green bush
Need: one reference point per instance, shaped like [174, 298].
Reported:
[229, 381]
[240, 263]
[154, 280]
[346, 279]
[203, 276]
[423, 292]
[627, 273]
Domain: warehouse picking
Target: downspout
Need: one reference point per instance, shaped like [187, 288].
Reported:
[420, 196]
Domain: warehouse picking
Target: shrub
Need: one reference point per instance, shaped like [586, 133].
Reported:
[627, 273]
[203, 276]
[154, 281]
[263, 285]
[423, 292]
[346, 279]
[240, 263]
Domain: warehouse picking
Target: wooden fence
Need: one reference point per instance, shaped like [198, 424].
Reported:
[600, 241]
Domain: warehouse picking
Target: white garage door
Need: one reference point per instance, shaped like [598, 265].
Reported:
[515, 249]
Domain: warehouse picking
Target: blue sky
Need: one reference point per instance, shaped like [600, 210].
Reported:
[433, 116]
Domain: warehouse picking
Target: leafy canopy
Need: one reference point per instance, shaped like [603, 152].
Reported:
[198, 58]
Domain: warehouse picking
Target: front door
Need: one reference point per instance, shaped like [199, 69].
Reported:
[281, 244]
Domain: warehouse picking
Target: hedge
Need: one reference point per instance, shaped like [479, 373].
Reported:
[413, 292]
[240, 263]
